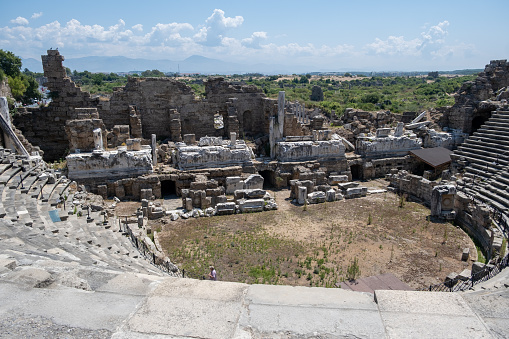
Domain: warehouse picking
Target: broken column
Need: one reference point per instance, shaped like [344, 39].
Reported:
[154, 150]
[302, 195]
[399, 129]
[233, 138]
[281, 112]
[98, 139]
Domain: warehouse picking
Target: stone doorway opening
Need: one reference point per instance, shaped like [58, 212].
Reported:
[477, 122]
[356, 171]
[268, 178]
[168, 189]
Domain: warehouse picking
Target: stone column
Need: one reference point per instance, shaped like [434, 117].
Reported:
[4, 110]
[281, 112]
[272, 138]
[399, 129]
[303, 194]
[98, 139]
[154, 150]
[233, 138]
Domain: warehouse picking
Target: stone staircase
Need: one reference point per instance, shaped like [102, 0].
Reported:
[29, 192]
[485, 157]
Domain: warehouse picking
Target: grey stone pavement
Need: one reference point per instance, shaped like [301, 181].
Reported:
[135, 305]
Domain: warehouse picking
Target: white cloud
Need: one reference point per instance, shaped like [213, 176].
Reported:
[36, 15]
[138, 27]
[255, 40]
[20, 21]
[215, 26]
[430, 43]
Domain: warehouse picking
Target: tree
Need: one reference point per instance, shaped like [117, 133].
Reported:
[9, 63]
[23, 86]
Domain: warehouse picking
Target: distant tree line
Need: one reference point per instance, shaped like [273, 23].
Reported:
[24, 87]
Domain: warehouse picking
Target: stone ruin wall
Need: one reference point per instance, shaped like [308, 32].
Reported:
[45, 126]
[491, 84]
[245, 109]
[471, 215]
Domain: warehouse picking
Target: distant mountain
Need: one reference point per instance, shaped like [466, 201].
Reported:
[193, 64]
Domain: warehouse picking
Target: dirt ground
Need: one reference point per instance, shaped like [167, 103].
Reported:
[316, 244]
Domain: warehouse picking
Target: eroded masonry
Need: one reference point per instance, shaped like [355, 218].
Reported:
[154, 138]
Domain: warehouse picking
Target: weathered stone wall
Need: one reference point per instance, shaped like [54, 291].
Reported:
[387, 146]
[469, 99]
[413, 185]
[308, 150]
[81, 136]
[102, 166]
[164, 106]
[45, 126]
[153, 99]
[378, 168]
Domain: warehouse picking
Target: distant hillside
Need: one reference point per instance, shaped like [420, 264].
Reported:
[203, 65]
[193, 64]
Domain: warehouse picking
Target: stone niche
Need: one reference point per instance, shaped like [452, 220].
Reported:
[442, 201]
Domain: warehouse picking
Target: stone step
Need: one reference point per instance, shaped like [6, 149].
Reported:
[493, 137]
[8, 174]
[494, 129]
[493, 199]
[504, 124]
[482, 157]
[494, 150]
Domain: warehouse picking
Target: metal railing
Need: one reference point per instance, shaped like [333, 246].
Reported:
[458, 284]
[165, 266]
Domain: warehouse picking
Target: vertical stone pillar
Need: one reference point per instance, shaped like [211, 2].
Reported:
[98, 139]
[272, 138]
[399, 129]
[154, 150]
[4, 110]
[233, 138]
[302, 195]
[281, 111]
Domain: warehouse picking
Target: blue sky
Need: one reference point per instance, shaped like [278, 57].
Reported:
[324, 35]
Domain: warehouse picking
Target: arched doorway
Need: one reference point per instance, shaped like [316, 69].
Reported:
[268, 179]
[356, 171]
[477, 122]
[168, 189]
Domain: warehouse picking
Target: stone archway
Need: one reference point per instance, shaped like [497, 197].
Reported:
[477, 122]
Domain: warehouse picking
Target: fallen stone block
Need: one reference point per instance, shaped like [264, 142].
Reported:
[337, 179]
[465, 275]
[251, 205]
[225, 208]
[316, 197]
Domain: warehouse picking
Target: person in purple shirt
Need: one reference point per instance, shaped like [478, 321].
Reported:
[212, 274]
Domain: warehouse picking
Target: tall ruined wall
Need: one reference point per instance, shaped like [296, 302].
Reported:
[469, 99]
[153, 99]
[158, 102]
[252, 106]
[45, 127]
